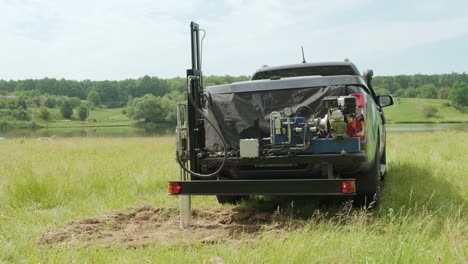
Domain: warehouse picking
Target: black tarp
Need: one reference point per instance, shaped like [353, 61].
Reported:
[237, 112]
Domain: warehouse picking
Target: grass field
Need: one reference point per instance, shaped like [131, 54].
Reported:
[46, 184]
[411, 110]
[102, 117]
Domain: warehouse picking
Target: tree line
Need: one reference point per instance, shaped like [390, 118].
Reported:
[117, 93]
[149, 99]
[418, 85]
[111, 94]
[152, 99]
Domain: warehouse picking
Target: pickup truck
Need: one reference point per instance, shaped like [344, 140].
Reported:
[300, 129]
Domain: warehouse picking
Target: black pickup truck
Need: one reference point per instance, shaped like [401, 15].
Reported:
[301, 129]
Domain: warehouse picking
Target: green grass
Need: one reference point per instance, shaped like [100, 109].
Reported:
[411, 110]
[103, 117]
[46, 184]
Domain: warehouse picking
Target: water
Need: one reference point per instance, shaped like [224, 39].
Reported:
[426, 127]
[127, 132]
[88, 132]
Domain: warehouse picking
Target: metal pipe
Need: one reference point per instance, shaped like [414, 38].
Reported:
[185, 209]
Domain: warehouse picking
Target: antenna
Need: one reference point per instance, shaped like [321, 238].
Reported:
[303, 57]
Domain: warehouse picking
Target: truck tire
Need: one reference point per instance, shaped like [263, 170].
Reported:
[368, 185]
[229, 199]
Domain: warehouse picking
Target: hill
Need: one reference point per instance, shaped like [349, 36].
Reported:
[411, 110]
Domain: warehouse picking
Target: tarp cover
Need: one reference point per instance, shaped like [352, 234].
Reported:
[236, 112]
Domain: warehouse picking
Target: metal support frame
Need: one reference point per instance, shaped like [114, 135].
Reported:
[195, 128]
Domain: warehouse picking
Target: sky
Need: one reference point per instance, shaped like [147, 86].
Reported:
[115, 40]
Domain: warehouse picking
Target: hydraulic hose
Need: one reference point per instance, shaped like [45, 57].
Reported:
[216, 129]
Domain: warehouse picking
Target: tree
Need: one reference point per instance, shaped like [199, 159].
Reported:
[94, 98]
[83, 111]
[149, 108]
[427, 91]
[66, 110]
[44, 113]
[74, 102]
[21, 104]
[410, 93]
[108, 93]
[3, 103]
[443, 93]
[399, 93]
[40, 101]
[381, 91]
[51, 102]
[458, 95]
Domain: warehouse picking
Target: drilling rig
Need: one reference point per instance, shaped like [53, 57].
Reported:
[299, 129]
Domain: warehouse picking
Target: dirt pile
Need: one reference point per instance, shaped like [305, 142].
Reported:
[147, 225]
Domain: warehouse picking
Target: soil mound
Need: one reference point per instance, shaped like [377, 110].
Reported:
[147, 225]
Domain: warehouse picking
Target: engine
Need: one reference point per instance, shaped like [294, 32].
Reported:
[301, 132]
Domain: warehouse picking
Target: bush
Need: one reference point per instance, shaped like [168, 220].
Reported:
[21, 103]
[22, 115]
[430, 111]
[44, 113]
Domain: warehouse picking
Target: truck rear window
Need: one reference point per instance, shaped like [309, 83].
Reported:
[305, 71]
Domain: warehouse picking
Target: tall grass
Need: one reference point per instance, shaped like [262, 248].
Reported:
[45, 184]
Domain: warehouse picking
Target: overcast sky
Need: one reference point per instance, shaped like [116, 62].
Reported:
[113, 39]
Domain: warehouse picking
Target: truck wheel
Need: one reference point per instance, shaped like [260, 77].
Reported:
[230, 199]
[368, 185]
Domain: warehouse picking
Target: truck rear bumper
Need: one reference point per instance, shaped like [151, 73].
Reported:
[264, 187]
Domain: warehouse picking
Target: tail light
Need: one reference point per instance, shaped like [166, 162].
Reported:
[361, 99]
[174, 188]
[355, 128]
[348, 187]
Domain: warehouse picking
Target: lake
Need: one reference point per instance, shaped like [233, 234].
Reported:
[122, 132]
[85, 132]
[427, 127]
